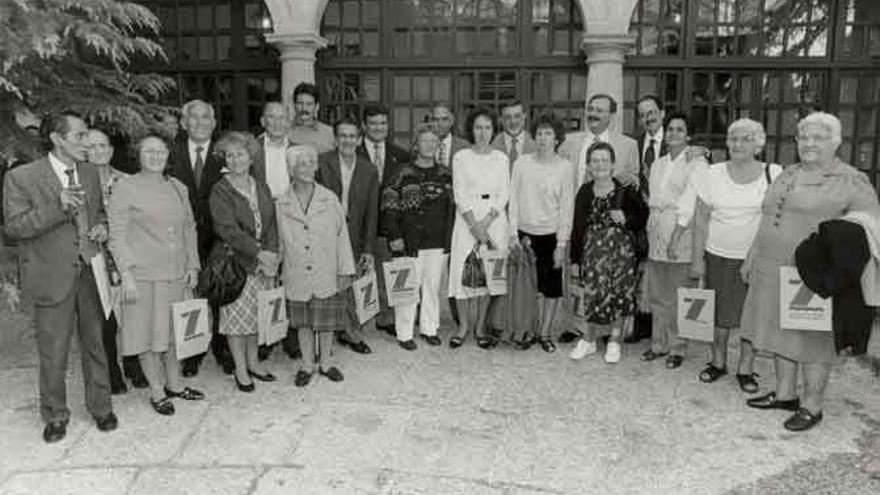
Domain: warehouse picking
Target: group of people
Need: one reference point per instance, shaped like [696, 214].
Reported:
[311, 207]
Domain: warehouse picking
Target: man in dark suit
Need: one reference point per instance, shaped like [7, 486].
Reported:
[389, 159]
[194, 163]
[54, 208]
[514, 141]
[356, 183]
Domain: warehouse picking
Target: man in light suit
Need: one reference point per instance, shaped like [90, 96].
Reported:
[514, 141]
[600, 110]
[388, 159]
[54, 207]
[194, 162]
[355, 182]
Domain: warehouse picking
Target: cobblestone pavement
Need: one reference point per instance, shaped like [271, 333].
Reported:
[437, 421]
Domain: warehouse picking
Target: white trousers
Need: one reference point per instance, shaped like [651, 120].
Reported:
[431, 264]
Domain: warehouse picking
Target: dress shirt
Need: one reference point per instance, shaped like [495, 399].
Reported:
[191, 146]
[376, 151]
[319, 135]
[445, 158]
[346, 172]
[59, 167]
[582, 155]
[276, 166]
[520, 140]
[658, 140]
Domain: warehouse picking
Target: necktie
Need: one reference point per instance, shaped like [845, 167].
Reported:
[647, 161]
[200, 165]
[80, 219]
[441, 154]
[377, 159]
[513, 152]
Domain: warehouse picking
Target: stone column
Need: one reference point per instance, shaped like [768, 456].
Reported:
[605, 57]
[297, 55]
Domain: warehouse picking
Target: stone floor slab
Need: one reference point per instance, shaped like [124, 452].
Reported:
[96, 481]
[177, 481]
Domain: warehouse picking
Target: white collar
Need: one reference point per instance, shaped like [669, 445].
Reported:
[604, 136]
[269, 143]
[58, 166]
[657, 137]
[192, 145]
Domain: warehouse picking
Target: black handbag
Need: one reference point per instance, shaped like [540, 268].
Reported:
[222, 280]
[473, 274]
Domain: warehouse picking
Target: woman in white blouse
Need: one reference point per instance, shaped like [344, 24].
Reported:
[668, 180]
[726, 215]
[540, 213]
[481, 189]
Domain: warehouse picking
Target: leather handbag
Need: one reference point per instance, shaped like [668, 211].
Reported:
[473, 274]
[222, 280]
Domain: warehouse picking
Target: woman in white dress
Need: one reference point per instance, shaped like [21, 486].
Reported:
[481, 189]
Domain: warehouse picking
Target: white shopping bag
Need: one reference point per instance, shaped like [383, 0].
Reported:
[192, 332]
[799, 307]
[102, 280]
[271, 316]
[366, 296]
[495, 265]
[696, 314]
[402, 281]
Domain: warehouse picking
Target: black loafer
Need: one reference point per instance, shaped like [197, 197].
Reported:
[163, 406]
[268, 377]
[185, 394]
[568, 336]
[54, 431]
[332, 374]
[244, 387]
[432, 340]
[302, 378]
[674, 361]
[107, 423]
[358, 347]
[455, 342]
[802, 420]
[650, 355]
[409, 345]
[768, 401]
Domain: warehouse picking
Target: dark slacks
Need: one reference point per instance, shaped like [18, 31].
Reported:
[80, 312]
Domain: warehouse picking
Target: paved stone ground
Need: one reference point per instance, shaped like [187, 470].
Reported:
[436, 421]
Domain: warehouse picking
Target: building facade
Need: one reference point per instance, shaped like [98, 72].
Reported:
[717, 60]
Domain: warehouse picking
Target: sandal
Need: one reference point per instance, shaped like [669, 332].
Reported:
[711, 373]
[185, 394]
[455, 342]
[650, 355]
[674, 361]
[747, 382]
[547, 345]
[163, 406]
[486, 342]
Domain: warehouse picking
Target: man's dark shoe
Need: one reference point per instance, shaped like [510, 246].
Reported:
[358, 347]
[389, 329]
[768, 401]
[332, 374]
[264, 351]
[302, 378]
[54, 431]
[568, 336]
[190, 368]
[185, 394]
[432, 340]
[409, 345]
[802, 420]
[107, 423]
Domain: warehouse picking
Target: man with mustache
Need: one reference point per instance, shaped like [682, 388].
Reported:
[306, 127]
[601, 108]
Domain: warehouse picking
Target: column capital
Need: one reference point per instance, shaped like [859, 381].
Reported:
[606, 47]
[297, 46]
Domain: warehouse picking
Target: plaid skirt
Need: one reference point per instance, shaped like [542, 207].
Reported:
[321, 315]
[240, 316]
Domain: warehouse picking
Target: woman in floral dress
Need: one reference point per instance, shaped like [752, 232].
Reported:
[602, 255]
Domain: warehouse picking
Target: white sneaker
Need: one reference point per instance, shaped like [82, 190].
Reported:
[612, 352]
[583, 349]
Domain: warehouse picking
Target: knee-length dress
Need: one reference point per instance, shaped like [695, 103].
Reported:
[794, 206]
[480, 182]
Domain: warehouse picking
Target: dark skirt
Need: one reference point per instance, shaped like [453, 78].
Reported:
[549, 277]
[722, 276]
[321, 315]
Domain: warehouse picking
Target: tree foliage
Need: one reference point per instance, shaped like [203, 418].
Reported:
[79, 55]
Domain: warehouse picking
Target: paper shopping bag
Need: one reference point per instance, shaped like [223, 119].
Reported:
[799, 307]
[366, 296]
[402, 281]
[271, 316]
[495, 265]
[577, 301]
[192, 332]
[102, 281]
[696, 314]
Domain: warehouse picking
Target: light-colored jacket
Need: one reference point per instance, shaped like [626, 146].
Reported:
[626, 154]
[314, 245]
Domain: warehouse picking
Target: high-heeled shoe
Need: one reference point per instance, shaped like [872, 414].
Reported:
[268, 377]
[244, 387]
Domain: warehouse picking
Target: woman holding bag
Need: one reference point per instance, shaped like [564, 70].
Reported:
[153, 240]
[481, 189]
[243, 215]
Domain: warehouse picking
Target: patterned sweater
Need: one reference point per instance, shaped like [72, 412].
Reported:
[418, 208]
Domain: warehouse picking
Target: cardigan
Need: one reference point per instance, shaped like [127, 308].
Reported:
[627, 199]
[233, 222]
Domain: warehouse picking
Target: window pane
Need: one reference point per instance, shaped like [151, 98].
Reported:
[223, 20]
[224, 47]
[205, 17]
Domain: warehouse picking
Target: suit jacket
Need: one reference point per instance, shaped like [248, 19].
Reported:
[458, 144]
[46, 233]
[528, 146]
[626, 164]
[363, 199]
[181, 168]
[233, 222]
[395, 159]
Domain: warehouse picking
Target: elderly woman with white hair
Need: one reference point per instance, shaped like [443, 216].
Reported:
[725, 216]
[819, 188]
